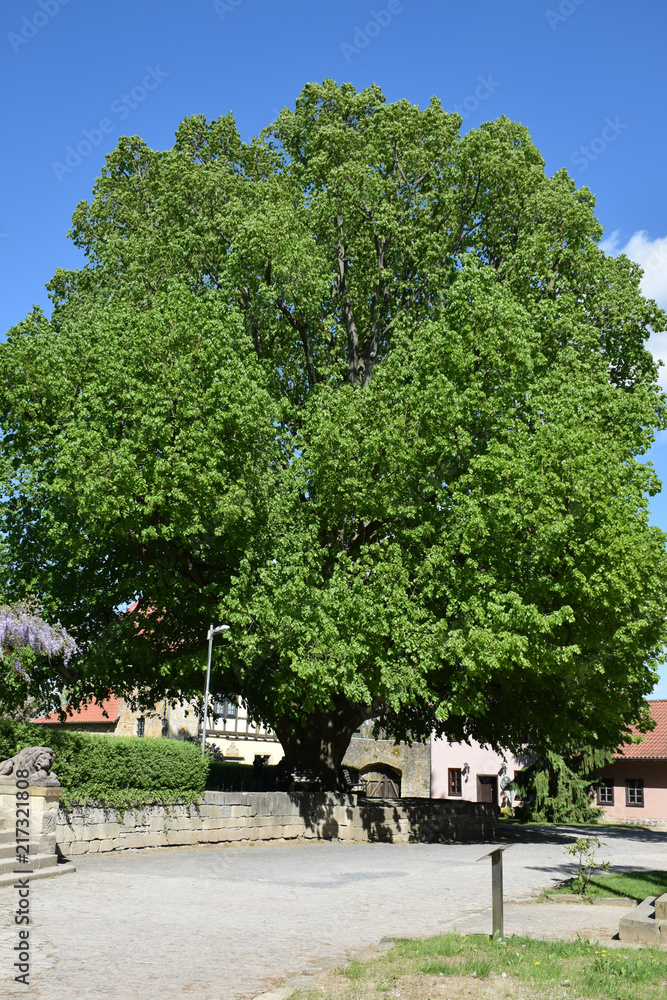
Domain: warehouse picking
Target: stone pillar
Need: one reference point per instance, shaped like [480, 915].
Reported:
[29, 799]
[42, 803]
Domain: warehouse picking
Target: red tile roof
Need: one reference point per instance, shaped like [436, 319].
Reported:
[654, 744]
[93, 712]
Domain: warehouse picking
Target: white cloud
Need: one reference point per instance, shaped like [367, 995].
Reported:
[651, 255]
[657, 345]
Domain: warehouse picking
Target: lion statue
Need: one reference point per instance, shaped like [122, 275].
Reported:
[38, 761]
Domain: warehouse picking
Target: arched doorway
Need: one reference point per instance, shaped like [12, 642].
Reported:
[381, 781]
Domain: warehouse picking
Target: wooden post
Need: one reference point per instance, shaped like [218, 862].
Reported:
[496, 856]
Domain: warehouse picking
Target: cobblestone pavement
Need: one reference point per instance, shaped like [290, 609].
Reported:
[230, 922]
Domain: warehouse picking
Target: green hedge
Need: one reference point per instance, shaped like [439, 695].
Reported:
[113, 770]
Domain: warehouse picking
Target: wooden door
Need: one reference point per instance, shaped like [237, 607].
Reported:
[487, 788]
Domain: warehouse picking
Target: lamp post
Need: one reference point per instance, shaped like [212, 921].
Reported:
[211, 632]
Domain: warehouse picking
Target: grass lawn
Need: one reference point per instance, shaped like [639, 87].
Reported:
[457, 966]
[636, 885]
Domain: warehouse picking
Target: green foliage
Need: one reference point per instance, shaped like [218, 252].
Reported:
[558, 787]
[113, 770]
[368, 392]
[583, 850]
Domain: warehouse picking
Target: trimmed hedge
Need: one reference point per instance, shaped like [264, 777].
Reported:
[113, 770]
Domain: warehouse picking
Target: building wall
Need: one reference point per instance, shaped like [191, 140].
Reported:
[163, 720]
[654, 775]
[241, 740]
[238, 739]
[411, 762]
[479, 760]
[244, 751]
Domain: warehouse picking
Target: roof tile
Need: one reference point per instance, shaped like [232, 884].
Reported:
[654, 744]
[92, 712]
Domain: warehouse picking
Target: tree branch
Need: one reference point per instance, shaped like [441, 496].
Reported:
[348, 315]
[302, 330]
[379, 298]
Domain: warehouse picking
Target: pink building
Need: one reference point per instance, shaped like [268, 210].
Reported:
[634, 786]
[472, 772]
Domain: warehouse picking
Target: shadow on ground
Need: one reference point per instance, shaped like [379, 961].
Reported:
[536, 834]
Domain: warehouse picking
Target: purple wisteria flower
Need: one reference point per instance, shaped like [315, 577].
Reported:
[22, 628]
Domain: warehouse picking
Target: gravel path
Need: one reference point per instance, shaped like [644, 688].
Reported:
[231, 922]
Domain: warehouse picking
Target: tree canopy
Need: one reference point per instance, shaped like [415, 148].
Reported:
[369, 392]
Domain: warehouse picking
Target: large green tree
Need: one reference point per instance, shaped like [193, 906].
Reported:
[368, 392]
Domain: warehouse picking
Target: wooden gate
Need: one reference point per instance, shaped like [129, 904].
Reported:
[381, 782]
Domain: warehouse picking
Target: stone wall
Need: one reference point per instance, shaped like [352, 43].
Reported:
[225, 817]
[412, 762]
[652, 824]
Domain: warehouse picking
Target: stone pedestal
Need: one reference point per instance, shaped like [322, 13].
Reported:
[644, 924]
[42, 805]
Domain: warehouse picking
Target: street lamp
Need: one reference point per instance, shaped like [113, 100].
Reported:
[211, 632]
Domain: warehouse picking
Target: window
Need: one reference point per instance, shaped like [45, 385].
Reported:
[455, 787]
[141, 726]
[634, 792]
[606, 792]
[226, 709]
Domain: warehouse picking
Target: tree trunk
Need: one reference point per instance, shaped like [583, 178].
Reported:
[317, 745]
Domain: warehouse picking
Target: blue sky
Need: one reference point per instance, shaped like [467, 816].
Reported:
[586, 76]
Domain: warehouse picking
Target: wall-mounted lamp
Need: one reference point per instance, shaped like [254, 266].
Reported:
[465, 771]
